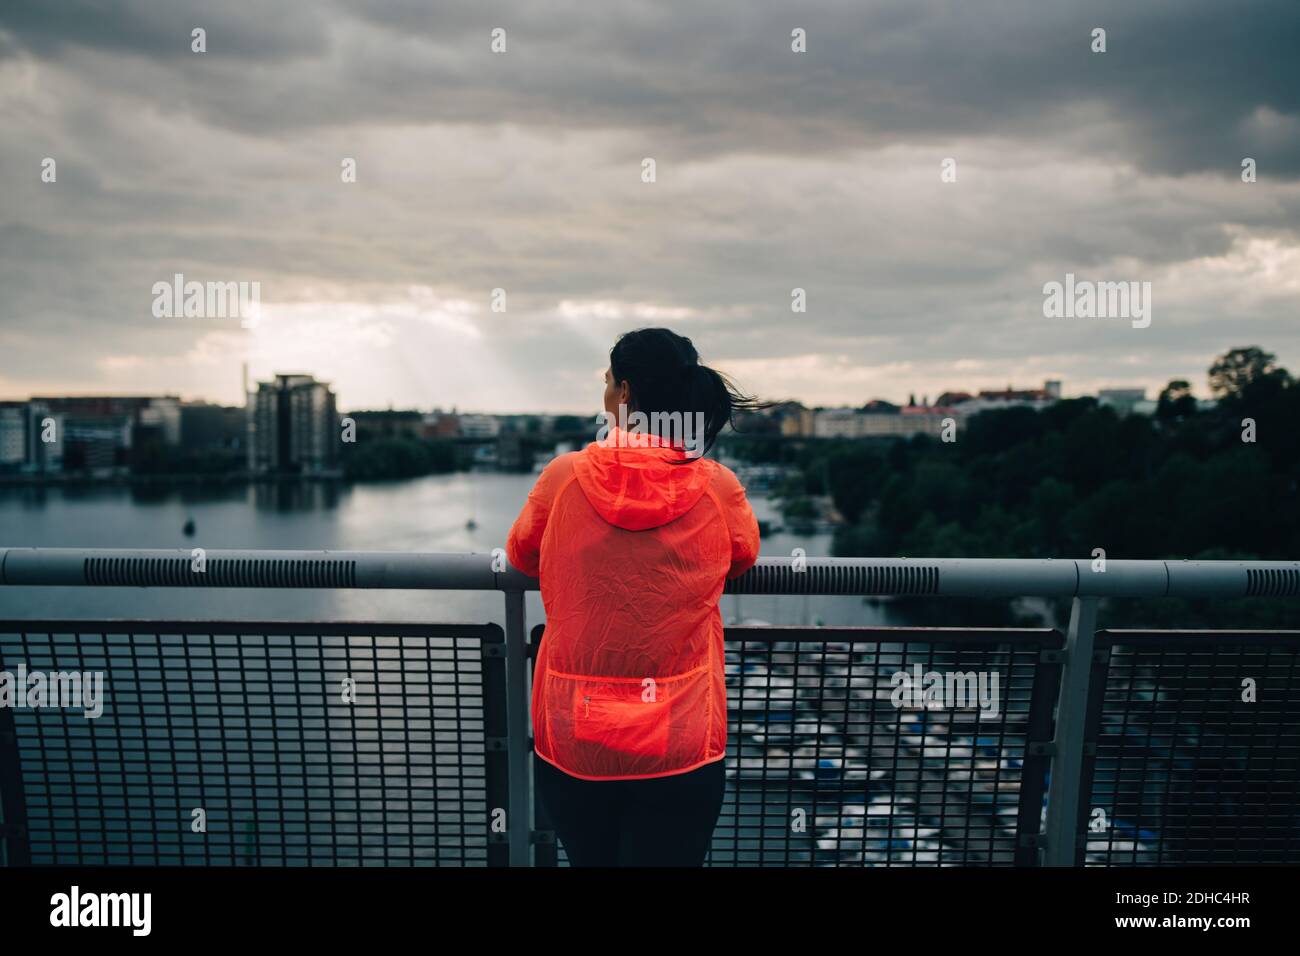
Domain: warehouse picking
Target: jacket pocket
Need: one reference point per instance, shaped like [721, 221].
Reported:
[612, 726]
[620, 716]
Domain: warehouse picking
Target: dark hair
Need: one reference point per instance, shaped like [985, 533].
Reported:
[664, 375]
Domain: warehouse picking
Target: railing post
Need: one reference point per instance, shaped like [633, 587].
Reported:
[496, 761]
[519, 820]
[14, 847]
[1063, 796]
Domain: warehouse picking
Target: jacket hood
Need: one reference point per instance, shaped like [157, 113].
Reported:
[637, 488]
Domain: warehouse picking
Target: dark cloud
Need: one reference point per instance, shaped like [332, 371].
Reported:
[522, 171]
[1183, 87]
[163, 30]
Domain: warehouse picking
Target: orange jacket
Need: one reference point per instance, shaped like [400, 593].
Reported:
[632, 553]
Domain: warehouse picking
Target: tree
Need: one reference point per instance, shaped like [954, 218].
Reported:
[1176, 401]
[855, 474]
[1235, 371]
[570, 423]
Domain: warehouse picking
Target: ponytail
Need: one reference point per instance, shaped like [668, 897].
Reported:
[665, 376]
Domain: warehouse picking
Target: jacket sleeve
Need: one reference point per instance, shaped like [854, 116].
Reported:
[524, 543]
[744, 529]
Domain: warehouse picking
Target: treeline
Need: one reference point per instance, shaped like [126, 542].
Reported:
[1214, 483]
[385, 458]
[391, 457]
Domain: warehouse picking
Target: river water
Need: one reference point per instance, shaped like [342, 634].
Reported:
[423, 514]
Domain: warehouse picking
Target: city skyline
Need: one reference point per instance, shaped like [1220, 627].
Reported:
[930, 397]
[292, 426]
[821, 174]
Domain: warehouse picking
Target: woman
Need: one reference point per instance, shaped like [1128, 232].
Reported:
[633, 539]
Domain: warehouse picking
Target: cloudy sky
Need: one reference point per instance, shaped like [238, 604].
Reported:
[522, 171]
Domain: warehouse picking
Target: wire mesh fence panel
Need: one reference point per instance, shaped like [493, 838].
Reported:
[837, 757]
[1197, 750]
[885, 746]
[384, 744]
[253, 743]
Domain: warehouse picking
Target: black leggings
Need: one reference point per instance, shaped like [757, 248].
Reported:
[663, 821]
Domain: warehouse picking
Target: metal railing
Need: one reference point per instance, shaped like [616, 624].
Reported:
[260, 744]
[237, 741]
